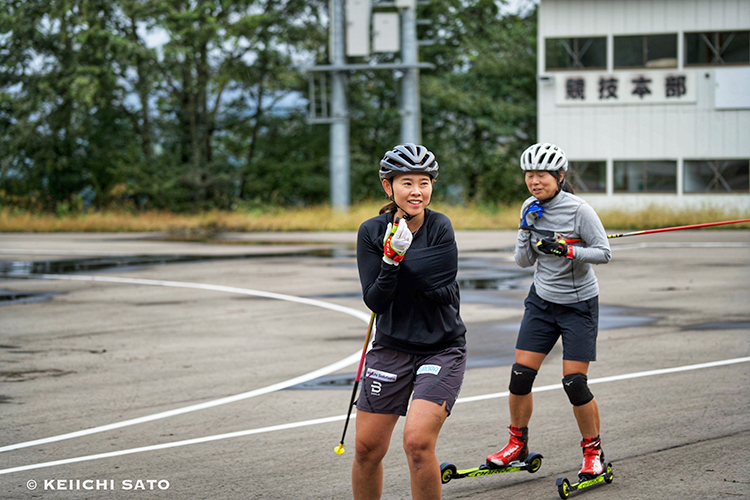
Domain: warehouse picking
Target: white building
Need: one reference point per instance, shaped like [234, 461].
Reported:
[650, 99]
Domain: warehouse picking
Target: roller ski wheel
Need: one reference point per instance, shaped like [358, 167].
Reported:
[449, 471]
[565, 487]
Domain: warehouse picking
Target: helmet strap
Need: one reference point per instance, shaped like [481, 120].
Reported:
[407, 217]
[560, 183]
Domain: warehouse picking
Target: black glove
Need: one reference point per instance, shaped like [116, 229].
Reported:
[552, 247]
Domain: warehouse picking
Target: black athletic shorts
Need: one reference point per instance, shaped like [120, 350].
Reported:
[390, 377]
[544, 322]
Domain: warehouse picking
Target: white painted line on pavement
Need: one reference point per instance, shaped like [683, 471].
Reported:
[204, 286]
[615, 378]
[208, 404]
[176, 444]
[307, 423]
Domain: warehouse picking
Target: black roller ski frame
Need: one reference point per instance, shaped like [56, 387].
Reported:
[565, 488]
[449, 471]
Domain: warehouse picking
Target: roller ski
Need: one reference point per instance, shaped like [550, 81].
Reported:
[513, 458]
[595, 469]
[532, 463]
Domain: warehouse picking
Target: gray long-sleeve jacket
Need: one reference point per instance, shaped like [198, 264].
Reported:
[558, 279]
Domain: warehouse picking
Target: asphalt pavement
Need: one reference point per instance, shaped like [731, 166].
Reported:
[134, 367]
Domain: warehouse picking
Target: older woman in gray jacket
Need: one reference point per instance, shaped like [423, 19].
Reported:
[563, 301]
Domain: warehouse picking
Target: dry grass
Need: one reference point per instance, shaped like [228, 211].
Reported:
[322, 218]
[658, 217]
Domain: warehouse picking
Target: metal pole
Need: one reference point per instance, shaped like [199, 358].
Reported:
[339, 142]
[411, 123]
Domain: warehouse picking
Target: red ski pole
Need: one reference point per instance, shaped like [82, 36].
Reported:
[665, 229]
[677, 228]
[340, 448]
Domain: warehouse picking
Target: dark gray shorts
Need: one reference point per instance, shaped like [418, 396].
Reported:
[544, 322]
[389, 378]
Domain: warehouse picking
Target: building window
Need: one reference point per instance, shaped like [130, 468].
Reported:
[645, 176]
[588, 176]
[576, 53]
[717, 176]
[723, 47]
[646, 51]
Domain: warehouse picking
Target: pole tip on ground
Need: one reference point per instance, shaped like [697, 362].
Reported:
[339, 449]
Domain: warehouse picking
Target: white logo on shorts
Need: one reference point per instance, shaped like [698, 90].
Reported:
[376, 387]
[378, 375]
[432, 369]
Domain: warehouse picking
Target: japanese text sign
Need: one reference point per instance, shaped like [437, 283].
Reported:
[625, 87]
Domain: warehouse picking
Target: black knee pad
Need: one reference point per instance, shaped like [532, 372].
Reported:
[521, 379]
[577, 388]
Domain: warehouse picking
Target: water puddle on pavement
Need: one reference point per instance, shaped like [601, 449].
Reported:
[499, 283]
[492, 343]
[89, 265]
[489, 281]
[13, 269]
[724, 325]
[14, 297]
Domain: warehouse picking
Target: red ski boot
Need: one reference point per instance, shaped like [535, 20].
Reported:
[516, 449]
[593, 458]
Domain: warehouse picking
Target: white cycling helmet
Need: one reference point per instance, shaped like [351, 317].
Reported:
[544, 157]
[408, 158]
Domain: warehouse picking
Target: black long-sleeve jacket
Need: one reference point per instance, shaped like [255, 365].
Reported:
[417, 302]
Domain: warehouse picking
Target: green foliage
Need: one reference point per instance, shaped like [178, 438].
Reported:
[64, 132]
[480, 103]
[92, 114]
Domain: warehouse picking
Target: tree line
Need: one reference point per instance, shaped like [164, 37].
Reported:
[197, 104]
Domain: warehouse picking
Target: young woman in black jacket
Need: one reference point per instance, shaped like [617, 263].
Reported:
[419, 345]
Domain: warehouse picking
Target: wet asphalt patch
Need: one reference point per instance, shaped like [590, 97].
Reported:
[491, 281]
[724, 325]
[13, 297]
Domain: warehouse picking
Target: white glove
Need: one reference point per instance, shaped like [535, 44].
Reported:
[396, 242]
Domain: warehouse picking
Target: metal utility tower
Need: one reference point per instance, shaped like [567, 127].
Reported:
[411, 122]
[339, 143]
[338, 118]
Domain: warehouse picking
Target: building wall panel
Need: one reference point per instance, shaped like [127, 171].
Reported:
[743, 11]
[641, 18]
[586, 17]
[660, 131]
[658, 17]
[731, 136]
[703, 14]
[638, 131]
